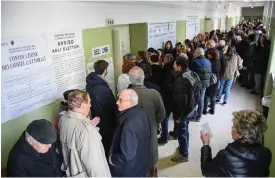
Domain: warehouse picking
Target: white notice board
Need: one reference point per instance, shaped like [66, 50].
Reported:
[159, 33]
[192, 27]
[66, 51]
[37, 70]
[27, 76]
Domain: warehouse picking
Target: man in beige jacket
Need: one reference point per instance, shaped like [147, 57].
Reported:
[81, 145]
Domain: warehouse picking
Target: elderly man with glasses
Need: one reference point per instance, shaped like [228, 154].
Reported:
[129, 153]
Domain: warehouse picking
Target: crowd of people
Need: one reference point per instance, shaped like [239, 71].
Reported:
[121, 139]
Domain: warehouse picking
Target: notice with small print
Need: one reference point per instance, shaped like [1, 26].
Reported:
[206, 129]
[66, 50]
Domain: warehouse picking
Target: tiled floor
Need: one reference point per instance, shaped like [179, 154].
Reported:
[220, 125]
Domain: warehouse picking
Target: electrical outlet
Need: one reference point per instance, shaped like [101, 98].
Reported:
[109, 22]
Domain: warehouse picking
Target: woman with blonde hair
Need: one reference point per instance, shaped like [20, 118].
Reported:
[245, 156]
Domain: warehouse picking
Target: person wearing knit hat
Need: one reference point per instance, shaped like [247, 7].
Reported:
[34, 154]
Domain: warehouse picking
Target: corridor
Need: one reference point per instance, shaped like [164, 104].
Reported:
[220, 125]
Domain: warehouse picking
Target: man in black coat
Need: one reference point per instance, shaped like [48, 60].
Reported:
[103, 102]
[34, 154]
[157, 72]
[129, 153]
[185, 86]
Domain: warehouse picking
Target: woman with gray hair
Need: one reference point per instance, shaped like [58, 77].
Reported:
[245, 156]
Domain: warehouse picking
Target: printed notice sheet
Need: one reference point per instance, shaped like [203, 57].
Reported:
[27, 76]
[67, 53]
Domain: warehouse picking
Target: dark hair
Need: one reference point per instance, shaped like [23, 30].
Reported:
[154, 58]
[142, 55]
[100, 66]
[170, 44]
[182, 61]
[214, 53]
[151, 50]
[251, 37]
[187, 41]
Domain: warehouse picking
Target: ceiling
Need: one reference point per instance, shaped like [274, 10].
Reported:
[247, 3]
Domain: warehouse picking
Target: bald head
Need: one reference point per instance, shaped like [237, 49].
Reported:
[127, 99]
[136, 76]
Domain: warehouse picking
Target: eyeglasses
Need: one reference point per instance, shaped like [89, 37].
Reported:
[121, 100]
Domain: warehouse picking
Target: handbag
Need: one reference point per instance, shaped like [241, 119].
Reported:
[213, 79]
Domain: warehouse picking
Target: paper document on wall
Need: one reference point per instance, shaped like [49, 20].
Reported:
[110, 78]
[27, 76]
[160, 33]
[192, 27]
[67, 53]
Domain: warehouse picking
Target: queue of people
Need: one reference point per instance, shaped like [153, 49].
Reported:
[96, 134]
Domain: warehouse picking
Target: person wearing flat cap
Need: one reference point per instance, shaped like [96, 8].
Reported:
[34, 154]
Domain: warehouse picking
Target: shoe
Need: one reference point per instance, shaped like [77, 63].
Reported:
[162, 141]
[194, 119]
[204, 112]
[224, 103]
[217, 101]
[180, 159]
[243, 85]
[173, 135]
[254, 93]
[211, 111]
[249, 87]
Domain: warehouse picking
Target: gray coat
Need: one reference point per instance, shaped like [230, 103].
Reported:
[151, 101]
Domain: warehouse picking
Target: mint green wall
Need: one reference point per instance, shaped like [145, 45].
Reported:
[138, 37]
[271, 63]
[219, 23]
[12, 130]
[269, 136]
[202, 23]
[181, 31]
[96, 37]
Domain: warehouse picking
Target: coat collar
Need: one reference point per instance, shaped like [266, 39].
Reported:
[138, 87]
[122, 114]
[76, 115]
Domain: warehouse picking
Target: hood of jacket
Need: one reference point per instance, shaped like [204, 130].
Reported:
[250, 152]
[93, 79]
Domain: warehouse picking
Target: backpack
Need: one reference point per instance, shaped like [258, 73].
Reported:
[195, 89]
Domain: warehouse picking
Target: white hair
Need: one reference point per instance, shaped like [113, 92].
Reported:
[132, 95]
[222, 43]
[136, 76]
[33, 141]
[212, 43]
[201, 51]
[183, 55]
[130, 56]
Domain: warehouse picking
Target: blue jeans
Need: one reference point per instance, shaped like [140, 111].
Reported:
[182, 131]
[201, 103]
[225, 86]
[164, 126]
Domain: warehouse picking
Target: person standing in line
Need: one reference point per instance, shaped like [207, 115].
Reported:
[186, 90]
[129, 153]
[123, 81]
[233, 63]
[167, 99]
[202, 67]
[151, 101]
[82, 150]
[103, 102]
[246, 156]
[168, 49]
[211, 91]
[157, 77]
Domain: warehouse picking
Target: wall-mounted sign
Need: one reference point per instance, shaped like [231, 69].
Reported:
[101, 51]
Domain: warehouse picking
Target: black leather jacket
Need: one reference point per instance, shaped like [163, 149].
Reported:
[236, 160]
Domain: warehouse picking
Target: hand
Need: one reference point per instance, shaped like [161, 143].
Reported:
[178, 121]
[205, 138]
[95, 121]
[244, 68]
